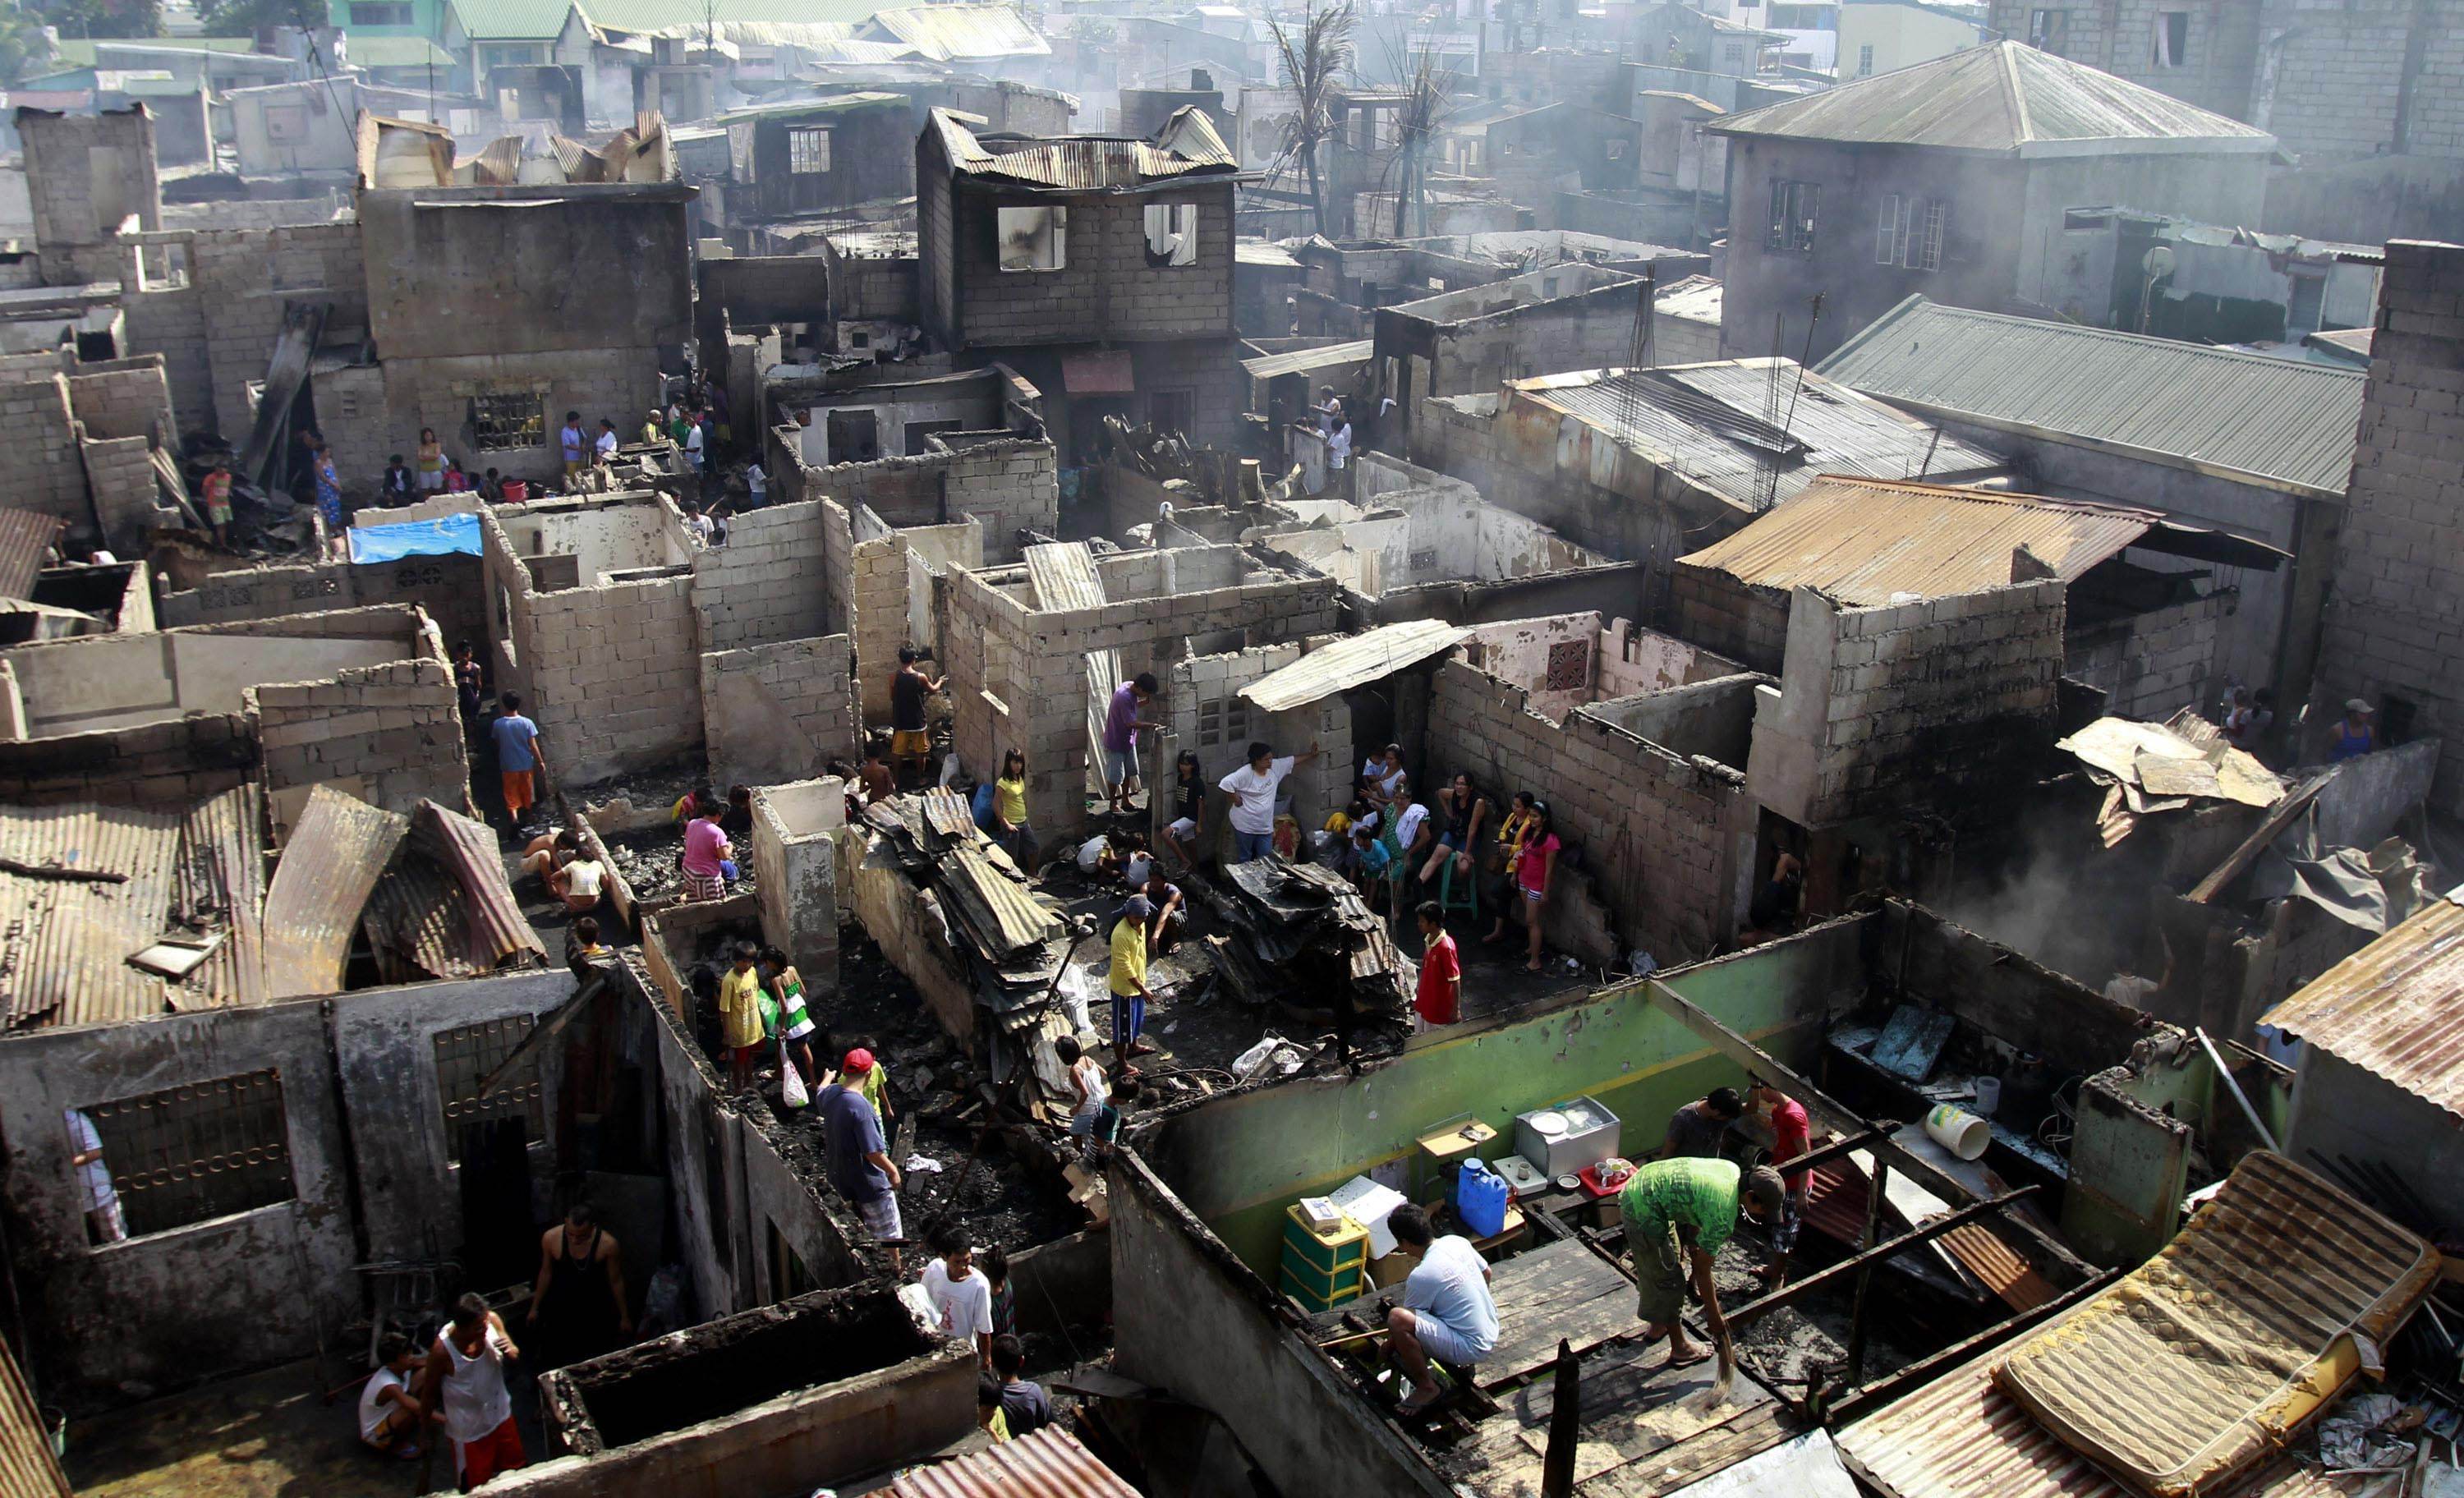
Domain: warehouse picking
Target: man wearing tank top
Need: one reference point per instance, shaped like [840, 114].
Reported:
[465, 1379]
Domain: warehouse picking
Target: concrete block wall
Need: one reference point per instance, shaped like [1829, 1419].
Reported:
[794, 859]
[765, 584]
[1007, 485]
[1730, 615]
[1106, 290]
[85, 175]
[1667, 841]
[240, 278]
[122, 397]
[2393, 633]
[778, 712]
[449, 588]
[1885, 708]
[170, 763]
[617, 383]
[889, 573]
[838, 566]
[170, 324]
[1033, 663]
[2155, 663]
[395, 729]
[46, 471]
[126, 496]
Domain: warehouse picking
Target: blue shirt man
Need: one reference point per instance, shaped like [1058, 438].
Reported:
[858, 1161]
[516, 737]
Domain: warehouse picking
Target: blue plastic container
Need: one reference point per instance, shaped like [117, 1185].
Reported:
[1480, 1197]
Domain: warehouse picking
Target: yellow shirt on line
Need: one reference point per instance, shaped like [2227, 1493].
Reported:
[739, 1008]
[1129, 956]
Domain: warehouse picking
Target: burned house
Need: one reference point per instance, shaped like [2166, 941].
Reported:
[2266, 452]
[1953, 178]
[1541, 323]
[1100, 269]
[804, 159]
[1641, 464]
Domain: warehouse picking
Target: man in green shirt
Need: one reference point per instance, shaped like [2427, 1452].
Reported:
[1678, 1213]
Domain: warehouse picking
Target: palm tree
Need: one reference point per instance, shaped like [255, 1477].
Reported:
[1309, 64]
[1427, 85]
[25, 47]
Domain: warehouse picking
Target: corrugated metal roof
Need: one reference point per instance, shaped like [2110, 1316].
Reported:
[395, 51]
[1697, 298]
[2187, 1370]
[1186, 144]
[512, 20]
[963, 32]
[1267, 252]
[499, 931]
[1962, 1436]
[1705, 421]
[1063, 576]
[2287, 420]
[2395, 1008]
[1863, 542]
[65, 943]
[25, 535]
[1049, 1463]
[1309, 360]
[337, 849]
[2005, 98]
[27, 1469]
[828, 104]
[1350, 662]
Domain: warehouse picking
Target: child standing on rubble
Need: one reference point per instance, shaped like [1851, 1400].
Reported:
[795, 1024]
[1130, 994]
[707, 850]
[740, 1014]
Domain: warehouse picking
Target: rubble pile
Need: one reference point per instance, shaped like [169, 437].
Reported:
[1301, 936]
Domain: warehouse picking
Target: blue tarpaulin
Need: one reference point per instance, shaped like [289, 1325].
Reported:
[447, 536]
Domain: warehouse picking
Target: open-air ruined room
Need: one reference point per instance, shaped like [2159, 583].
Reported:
[1269, 748]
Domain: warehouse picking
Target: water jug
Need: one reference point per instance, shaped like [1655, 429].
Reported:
[1480, 1195]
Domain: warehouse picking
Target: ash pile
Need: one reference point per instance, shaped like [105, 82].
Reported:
[1300, 937]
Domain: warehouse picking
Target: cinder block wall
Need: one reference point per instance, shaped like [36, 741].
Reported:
[449, 588]
[121, 397]
[241, 277]
[1730, 616]
[45, 472]
[766, 584]
[1666, 839]
[778, 712]
[394, 728]
[2151, 665]
[2392, 632]
[170, 764]
[1107, 289]
[127, 498]
[80, 171]
[1005, 485]
[795, 863]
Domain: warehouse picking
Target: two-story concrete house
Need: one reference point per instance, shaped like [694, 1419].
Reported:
[1958, 179]
[1099, 268]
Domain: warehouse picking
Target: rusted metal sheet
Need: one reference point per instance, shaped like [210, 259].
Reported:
[1353, 661]
[1311, 361]
[1188, 143]
[1868, 541]
[24, 537]
[1049, 1463]
[2188, 1370]
[27, 1469]
[64, 944]
[496, 934]
[220, 885]
[2395, 1008]
[418, 924]
[1064, 575]
[1961, 1437]
[336, 851]
[2003, 1271]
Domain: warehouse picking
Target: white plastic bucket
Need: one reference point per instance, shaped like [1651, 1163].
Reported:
[1989, 1095]
[1960, 1132]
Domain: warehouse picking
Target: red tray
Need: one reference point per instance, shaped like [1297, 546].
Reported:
[1590, 1177]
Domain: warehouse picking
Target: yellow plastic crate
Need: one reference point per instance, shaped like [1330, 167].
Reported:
[1347, 1241]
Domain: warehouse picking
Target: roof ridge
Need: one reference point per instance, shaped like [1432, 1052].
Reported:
[2023, 125]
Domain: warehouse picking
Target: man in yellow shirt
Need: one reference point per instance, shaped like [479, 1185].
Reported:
[1129, 992]
[739, 1016]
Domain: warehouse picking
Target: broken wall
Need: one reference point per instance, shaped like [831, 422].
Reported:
[173, 763]
[1022, 673]
[391, 734]
[448, 587]
[46, 472]
[1730, 615]
[759, 588]
[2151, 665]
[1006, 485]
[1668, 839]
[795, 858]
[114, 681]
[892, 594]
[86, 175]
[1909, 704]
[776, 713]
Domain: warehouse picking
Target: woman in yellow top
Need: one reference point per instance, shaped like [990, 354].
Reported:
[1129, 992]
[1009, 810]
[1520, 820]
[739, 1016]
[432, 461]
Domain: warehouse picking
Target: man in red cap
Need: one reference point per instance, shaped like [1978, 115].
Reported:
[858, 1157]
[870, 1079]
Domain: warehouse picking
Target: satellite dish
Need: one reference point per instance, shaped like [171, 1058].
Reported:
[2157, 262]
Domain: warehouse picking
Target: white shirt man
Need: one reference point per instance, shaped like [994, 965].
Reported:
[1338, 446]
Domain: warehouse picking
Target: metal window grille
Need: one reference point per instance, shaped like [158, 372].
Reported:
[503, 422]
[1924, 248]
[1172, 411]
[198, 1150]
[1570, 666]
[1792, 216]
[808, 150]
[465, 1055]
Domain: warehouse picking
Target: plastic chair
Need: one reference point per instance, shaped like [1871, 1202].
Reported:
[1447, 900]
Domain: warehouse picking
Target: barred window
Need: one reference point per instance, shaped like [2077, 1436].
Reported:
[1791, 217]
[465, 1055]
[808, 150]
[503, 422]
[198, 1150]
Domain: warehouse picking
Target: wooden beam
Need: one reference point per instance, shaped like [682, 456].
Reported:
[1858, 1403]
[2051, 1252]
[2270, 828]
[1856, 1263]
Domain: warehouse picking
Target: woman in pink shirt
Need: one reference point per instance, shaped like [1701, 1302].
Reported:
[1533, 872]
[707, 850]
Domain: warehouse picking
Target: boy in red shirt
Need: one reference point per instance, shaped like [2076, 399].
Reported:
[1792, 1135]
[1440, 1001]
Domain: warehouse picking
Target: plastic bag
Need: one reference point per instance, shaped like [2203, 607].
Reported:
[791, 1082]
[769, 1008]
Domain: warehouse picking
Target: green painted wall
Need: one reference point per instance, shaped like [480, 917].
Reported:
[1240, 1162]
